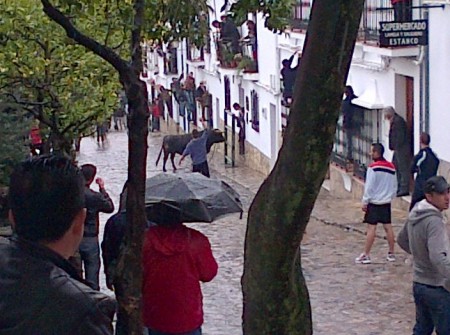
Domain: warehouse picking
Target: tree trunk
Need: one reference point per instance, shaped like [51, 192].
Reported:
[276, 299]
[129, 268]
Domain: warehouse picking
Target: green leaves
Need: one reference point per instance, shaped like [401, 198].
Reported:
[57, 82]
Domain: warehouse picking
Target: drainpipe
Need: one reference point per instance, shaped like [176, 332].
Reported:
[426, 78]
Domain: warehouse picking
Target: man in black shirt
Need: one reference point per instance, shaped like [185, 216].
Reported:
[96, 202]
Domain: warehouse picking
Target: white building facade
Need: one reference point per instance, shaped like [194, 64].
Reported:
[411, 79]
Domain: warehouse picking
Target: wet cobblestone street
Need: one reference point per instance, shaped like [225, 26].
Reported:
[346, 298]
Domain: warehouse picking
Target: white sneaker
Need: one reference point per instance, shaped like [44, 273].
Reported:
[390, 257]
[363, 259]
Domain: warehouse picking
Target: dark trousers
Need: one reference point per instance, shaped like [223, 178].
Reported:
[401, 161]
[403, 11]
[90, 256]
[202, 168]
[417, 194]
[349, 143]
[432, 310]
[197, 331]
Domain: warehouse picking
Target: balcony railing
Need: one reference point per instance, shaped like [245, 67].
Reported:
[375, 11]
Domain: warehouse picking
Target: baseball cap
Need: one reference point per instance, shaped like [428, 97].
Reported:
[436, 184]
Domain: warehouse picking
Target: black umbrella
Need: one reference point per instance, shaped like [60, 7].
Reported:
[195, 197]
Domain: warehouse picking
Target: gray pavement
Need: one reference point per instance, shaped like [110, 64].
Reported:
[346, 298]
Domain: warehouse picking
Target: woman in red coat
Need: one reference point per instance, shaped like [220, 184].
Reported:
[175, 260]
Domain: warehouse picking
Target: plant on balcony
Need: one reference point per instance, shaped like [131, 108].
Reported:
[247, 64]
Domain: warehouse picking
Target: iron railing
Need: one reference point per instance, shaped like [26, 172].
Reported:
[375, 11]
[367, 123]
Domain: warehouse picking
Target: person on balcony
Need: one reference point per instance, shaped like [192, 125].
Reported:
[251, 39]
[229, 34]
[349, 122]
[402, 10]
[399, 144]
[288, 74]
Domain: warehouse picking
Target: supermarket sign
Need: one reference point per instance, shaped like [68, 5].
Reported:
[403, 34]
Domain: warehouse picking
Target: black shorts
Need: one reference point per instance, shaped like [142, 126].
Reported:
[378, 214]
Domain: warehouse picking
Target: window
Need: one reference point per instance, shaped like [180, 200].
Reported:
[255, 110]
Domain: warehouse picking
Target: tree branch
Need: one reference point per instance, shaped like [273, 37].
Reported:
[72, 32]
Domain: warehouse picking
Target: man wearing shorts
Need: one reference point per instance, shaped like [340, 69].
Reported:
[379, 191]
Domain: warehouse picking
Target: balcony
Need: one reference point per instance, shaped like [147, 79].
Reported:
[245, 60]
[375, 11]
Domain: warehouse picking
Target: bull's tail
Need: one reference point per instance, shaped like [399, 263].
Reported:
[159, 156]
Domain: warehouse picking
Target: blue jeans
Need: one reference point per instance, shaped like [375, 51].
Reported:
[197, 331]
[90, 257]
[432, 310]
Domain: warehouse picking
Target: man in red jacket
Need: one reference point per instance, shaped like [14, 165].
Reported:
[402, 10]
[175, 260]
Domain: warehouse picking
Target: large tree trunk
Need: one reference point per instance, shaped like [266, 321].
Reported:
[276, 299]
[129, 269]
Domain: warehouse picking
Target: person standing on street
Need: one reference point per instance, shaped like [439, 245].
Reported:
[175, 259]
[196, 148]
[425, 165]
[399, 144]
[96, 202]
[379, 191]
[240, 118]
[425, 237]
[41, 291]
[349, 120]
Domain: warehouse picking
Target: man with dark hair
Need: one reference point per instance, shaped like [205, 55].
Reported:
[229, 34]
[175, 259]
[96, 202]
[196, 148]
[425, 237]
[379, 191]
[399, 144]
[41, 292]
[425, 165]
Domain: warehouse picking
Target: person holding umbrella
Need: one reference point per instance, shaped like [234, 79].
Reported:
[196, 148]
[175, 260]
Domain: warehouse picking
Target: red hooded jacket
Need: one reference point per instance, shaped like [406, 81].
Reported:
[175, 260]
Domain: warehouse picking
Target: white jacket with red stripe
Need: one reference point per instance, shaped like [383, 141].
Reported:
[381, 183]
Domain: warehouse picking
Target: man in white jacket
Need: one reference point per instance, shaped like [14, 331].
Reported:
[379, 191]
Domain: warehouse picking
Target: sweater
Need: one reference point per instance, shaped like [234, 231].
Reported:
[381, 183]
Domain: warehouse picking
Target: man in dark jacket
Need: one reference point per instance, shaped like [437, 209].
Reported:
[399, 144]
[41, 292]
[425, 164]
[349, 119]
[96, 202]
[288, 74]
